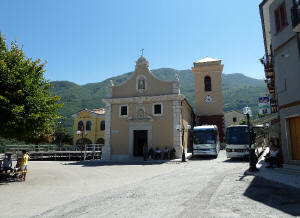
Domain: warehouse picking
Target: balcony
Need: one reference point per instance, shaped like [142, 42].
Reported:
[271, 87]
[267, 61]
[273, 109]
[269, 74]
[273, 103]
[295, 11]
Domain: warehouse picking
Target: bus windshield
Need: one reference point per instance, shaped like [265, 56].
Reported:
[237, 135]
[205, 136]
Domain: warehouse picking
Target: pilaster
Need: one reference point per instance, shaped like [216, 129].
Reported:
[106, 155]
[177, 121]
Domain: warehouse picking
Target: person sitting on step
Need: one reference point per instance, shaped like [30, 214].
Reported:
[157, 154]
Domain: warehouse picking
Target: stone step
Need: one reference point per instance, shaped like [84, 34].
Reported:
[289, 169]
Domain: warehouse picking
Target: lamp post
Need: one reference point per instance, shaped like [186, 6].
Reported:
[252, 163]
[182, 139]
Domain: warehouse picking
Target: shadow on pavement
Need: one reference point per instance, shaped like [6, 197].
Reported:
[116, 163]
[236, 160]
[275, 195]
[199, 158]
[5, 181]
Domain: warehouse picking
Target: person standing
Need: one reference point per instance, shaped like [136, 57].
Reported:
[7, 164]
[24, 162]
[166, 153]
[145, 151]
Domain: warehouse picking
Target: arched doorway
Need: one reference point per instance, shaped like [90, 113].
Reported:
[83, 141]
[100, 141]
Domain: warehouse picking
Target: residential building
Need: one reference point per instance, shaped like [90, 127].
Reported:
[145, 110]
[89, 126]
[232, 118]
[281, 27]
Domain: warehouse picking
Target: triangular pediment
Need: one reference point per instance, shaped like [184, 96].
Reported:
[143, 83]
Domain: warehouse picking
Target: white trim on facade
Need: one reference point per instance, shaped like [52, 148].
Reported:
[161, 108]
[144, 99]
[120, 107]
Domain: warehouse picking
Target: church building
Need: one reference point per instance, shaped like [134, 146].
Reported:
[145, 110]
[208, 93]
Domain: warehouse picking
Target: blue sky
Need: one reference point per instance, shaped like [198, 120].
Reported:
[87, 41]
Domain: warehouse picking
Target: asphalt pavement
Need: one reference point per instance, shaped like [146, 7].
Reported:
[204, 187]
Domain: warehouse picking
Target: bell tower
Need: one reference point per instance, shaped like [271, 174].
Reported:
[208, 93]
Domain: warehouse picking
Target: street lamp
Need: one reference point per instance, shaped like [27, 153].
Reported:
[252, 162]
[188, 127]
[82, 133]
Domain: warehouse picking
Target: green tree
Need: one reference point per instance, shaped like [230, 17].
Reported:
[61, 136]
[27, 108]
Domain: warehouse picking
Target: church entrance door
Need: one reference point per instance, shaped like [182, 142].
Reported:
[140, 138]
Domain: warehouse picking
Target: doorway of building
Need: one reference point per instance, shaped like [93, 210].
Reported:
[295, 137]
[140, 138]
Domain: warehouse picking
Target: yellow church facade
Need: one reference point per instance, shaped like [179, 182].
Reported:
[145, 110]
[89, 126]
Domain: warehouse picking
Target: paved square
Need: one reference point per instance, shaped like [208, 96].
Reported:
[198, 188]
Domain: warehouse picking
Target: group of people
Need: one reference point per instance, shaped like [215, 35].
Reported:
[274, 155]
[20, 168]
[157, 154]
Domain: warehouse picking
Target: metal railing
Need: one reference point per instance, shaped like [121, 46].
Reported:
[267, 61]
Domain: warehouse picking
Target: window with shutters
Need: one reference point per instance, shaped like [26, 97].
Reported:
[102, 125]
[80, 125]
[280, 18]
[88, 125]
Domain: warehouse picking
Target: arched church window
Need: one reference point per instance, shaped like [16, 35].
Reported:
[80, 126]
[141, 83]
[102, 125]
[207, 84]
[88, 125]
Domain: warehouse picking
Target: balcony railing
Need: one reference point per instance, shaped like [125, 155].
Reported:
[296, 16]
[269, 74]
[271, 86]
[273, 102]
[267, 61]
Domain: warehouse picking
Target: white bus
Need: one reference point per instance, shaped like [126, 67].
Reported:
[206, 140]
[237, 143]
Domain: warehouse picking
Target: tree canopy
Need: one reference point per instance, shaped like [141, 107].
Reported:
[28, 110]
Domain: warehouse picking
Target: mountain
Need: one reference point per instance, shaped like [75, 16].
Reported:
[238, 91]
